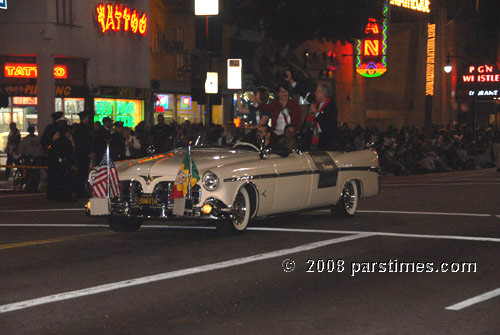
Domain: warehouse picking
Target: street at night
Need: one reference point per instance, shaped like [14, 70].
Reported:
[249, 167]
[65, 273]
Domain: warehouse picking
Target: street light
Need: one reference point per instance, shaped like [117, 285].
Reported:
[448, 67]
[206, 8]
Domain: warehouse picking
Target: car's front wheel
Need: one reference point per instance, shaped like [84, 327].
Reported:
[240, 214]
[122, 224]
[348, 202]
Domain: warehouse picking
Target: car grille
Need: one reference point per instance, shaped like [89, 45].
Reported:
[130, 190]
[163, 190]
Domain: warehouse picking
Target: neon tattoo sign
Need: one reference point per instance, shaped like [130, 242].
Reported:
[371, 59]
[116, 17]
[20, 70]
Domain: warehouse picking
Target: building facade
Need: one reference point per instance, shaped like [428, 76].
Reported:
[65, 55]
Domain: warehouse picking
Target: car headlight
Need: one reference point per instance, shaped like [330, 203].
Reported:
[210, 181]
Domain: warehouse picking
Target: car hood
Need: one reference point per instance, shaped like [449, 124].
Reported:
[167, 165]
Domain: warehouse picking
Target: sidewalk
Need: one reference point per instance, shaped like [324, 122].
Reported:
[8, 185]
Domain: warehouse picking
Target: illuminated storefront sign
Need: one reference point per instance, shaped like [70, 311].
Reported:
[212, 83]
[127, 111]
[186, 102]
[371, 60]
[431, 51]
[161, 103]
[116, 17]
[481, 74]
[18, 70]
[484, 93]
[418, 5]
[25, 100]
[32, 90]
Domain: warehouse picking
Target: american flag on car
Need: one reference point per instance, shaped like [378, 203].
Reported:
[99, 187]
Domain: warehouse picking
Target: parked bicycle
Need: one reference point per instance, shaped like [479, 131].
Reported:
[26, 179]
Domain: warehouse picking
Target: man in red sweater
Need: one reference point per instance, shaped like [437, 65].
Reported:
[283, 110]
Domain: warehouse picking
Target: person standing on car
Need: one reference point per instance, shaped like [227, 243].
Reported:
[320, 126]
[283, 111]
[13, 141]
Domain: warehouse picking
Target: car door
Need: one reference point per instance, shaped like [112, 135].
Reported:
[293, 180]
[324, 188]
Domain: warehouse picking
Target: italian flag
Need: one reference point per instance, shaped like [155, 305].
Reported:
[180, 188]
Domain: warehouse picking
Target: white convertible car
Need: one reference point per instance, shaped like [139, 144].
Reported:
[243, 183]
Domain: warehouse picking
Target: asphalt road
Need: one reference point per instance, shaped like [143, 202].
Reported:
[64, 273]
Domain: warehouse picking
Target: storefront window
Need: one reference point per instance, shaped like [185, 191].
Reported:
[165, 105]
[130, 112]
[187, 109]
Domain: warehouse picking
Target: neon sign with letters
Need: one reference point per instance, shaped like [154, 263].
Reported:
[431, 52]
[418, 5]
[127, 111]
[19, 70]
[481, 74]
[371, 59]
[116, 17]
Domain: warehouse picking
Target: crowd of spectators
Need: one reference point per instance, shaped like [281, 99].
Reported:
[402, 151]
[406, 151]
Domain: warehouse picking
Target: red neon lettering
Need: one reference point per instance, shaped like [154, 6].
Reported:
[143, 24]
[471, 69]
[60, 72]
[110, 22]
[13, 70]
[114, 17]
[488, 78]
[134, 21]
[101, 16]
[372, 26]
[371, 48]
[126, 18]
[118, 16]
[469, 78]
[485, 68]
[9, 70]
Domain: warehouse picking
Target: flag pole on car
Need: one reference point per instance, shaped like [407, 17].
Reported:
[108, 187]
[190, 171]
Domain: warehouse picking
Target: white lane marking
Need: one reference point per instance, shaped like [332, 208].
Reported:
[22, 195]
[474, 300]
[374, 211]
[422, 213]
[375, 233]
[174, 274]
[437, 184]
[41, 210]
[289, 230]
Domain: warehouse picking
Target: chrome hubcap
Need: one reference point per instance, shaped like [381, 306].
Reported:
[239, 210]
[349, 197]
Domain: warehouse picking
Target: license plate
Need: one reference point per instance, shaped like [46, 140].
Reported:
[147, 201]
